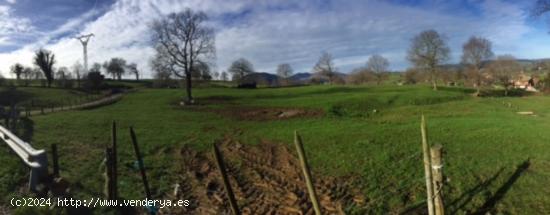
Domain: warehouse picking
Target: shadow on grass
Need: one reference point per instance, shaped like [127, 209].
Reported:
[465, 198]
[460, 203]
[501, 192]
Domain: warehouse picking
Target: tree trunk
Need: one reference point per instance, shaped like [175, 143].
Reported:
[434, 79]
[188, 88]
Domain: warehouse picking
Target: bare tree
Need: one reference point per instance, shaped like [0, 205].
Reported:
[17, 69]
[215, 75]
[360, 75]
[163, 72]
[325, 67]
[284, 70]
[413, 76]
[45, 60]
[474, 52]
[428, 50]
[201, 71]
[379, 66]
[240, 68]
[183, 39]
[503, 70]
[27, 75]
[223, 76]
[64, 78]
[96, 67]
[132, 69]
[38, 75]
[116, 67]
[78, 70]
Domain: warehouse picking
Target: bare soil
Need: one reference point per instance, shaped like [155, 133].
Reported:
[263, 114]
[266, 179]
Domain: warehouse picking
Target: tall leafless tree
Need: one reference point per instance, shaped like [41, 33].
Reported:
[45, 60]
[503, 71]
[223, 76]
[183, 39]
[324, 68]
[474, 52]
[202, 71]
[428, 50]
[132, 69]
[78, 71]
[27, 75]
[284, 70]
[379, 66]
[240, 68]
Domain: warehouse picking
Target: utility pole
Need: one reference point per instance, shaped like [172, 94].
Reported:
[84, 40]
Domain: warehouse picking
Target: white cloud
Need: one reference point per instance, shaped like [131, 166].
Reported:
[295, 32]
[11, 1]
[11, 26]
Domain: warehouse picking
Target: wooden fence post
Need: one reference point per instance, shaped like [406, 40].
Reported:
[55, 160]
[427, 167]
[140, 164]
[225, 179]
[108, 173]
[114, 161]
[307, 173]
[437, 173]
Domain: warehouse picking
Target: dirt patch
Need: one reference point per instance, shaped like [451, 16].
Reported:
[262, 114]
[266, 179]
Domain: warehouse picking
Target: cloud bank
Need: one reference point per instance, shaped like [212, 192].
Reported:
[272, 32]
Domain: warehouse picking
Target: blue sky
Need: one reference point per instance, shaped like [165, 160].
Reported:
[268, 32]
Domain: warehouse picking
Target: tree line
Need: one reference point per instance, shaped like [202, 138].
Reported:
[46, 74]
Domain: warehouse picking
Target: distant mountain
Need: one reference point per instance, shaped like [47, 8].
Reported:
[527, 63]
[301, 76]
[261, 78]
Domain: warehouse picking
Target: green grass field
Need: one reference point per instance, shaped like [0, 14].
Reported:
[370, 133]
[40, 96]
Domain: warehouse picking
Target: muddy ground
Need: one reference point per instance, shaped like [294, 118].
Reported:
[239, 112]
[266, 179]
[263, 114]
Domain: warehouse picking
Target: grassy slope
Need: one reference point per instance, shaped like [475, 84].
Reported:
[40, 95]
[480, 136]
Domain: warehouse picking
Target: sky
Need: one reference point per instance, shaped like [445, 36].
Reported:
[268, 32]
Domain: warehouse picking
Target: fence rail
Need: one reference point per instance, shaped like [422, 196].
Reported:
[37, 160]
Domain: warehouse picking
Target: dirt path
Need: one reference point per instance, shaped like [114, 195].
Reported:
[100, 102]
[266, 178]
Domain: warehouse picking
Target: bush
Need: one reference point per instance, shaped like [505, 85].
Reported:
[94, 81]
[250, 85]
